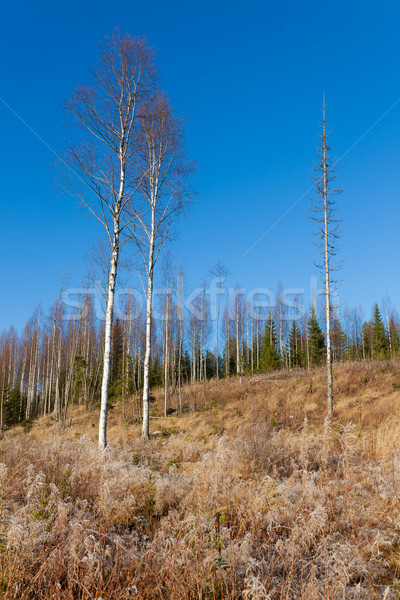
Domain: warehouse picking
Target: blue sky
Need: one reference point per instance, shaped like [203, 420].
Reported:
[248, 78]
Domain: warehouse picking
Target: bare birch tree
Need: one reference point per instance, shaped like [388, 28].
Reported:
[102, 171]
[164, 196]
[221, 272]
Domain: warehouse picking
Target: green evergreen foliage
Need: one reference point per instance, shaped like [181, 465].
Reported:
[269, 357]
[294, 350]
[220, 365]
[338, 340]
[156, 375]
[395, 337]
[211, 364]
[80, 367]
[366, 340]
[13, 407]
[380, 344]
[316, 340]
[185, 367]
[116, 351]
[230, 356]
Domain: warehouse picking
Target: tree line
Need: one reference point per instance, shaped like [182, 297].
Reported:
[57, 363]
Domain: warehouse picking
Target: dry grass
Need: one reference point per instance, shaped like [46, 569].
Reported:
[253, 496]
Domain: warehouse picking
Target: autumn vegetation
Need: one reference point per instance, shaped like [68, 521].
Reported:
[250, 494]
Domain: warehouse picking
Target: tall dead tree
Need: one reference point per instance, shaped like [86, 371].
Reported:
[103, 171]
[324, 214]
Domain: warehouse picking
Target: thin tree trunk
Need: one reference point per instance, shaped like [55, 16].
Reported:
[146, 369]
[107, 341]
[218, 309]
[237, 336]
[22, 380]
[258, 339]
[327, 279]
[252, 341]
[166, 353]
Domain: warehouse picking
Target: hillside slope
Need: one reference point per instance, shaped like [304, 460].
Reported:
[252, 495]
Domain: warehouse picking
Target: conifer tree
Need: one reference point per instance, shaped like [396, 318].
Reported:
[325, 209]
[394, 332]
[379, 341]
[269, 359]
[338, 341]
[12, 407]
[367, 334]
[295, 354]
[316, 341]
[229, 359]
[116, 360]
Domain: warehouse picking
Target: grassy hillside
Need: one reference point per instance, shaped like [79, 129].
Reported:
[252, 495]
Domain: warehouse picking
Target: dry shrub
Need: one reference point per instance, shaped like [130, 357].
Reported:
[270, 503]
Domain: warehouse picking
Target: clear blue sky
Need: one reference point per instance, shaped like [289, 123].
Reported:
[249, 78]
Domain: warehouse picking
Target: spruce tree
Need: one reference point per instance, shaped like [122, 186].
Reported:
[324, 209]
[116, 360]
[296, 358]
[339, 348]
[380, 342]
[229, 358]
[12, 407]
[367, 335]
[316, 341]
[394, 331]
[269, 358]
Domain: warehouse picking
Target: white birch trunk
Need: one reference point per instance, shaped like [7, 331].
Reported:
[22, 380]
[237, 337]
[166, 352]
[107, 341]
[57, 405]
[218, 309]
[252, 342]
[147, 355]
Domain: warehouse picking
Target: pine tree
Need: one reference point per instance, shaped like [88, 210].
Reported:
[316, 341]
[269, 359]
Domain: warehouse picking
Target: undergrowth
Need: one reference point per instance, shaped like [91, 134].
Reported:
[261, 500]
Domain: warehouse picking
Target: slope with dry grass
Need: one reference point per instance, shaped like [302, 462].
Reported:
[253, 495]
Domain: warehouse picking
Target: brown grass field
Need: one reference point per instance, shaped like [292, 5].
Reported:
[250, 494]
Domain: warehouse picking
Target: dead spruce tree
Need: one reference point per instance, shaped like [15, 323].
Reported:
[164, 195]
[103, 170]
[324, 214]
